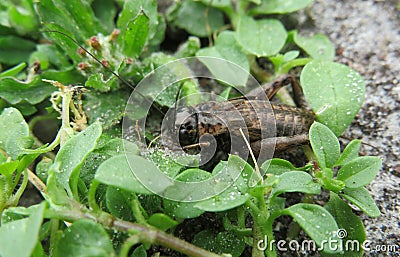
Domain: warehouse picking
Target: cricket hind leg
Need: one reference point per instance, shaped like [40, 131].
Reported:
[269, 90]
[277, 144]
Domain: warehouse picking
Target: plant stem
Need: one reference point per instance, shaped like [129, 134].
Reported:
[36, 182]
[136, 210]
[54, 224]
[257, 237]
[92, 196]
[126, 246]
[241, 217]
[259, 73]
[65, 117]
[145, 233]
[161, 238]
[21, 189]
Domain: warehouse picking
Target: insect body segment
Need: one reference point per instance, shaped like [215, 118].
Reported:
[264, 123]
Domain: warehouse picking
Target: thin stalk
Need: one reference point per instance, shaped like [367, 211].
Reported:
[48, 148]
[257, 237]
[126, 246]
[241, 217]
[37, 142]
[54, 225]
[36, 182]
[137, 211]
[65, 117]
[92, 196]
[21, 188]
[146, 234]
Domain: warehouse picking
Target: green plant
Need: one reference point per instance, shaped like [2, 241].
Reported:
[89, 182]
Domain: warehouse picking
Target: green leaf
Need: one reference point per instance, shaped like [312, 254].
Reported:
[334, 91]
[12, 72]
[14, 50]
[186, 210]
[23, 19]
[159, 35]
[162, 221]
[118, 202]
[105, 11]
[67, 16]
[56, 57]
[14, 91]
[325, 145]
[108, 109]
[350, 152]
[190, 92]
[14, 140]
[350, 226]
[117, 172]
[227, 48]
[67, 45]
[360, 171]
[35, 91]
[56, 194]
[71, 15]
[317, 222]
[40, 57]
[217, 3]
[237, 191]
[189, 48]
[223, 242]
[132, 9]
[84, 238]
[167, 164]
[291, 55]
[361, 198]
[325, 177]
[42, 167]
[23, 232]
[279, 6]
[8, 168]
[277, 166]
[139, 252]
[38, 251]
[98, 82]
[196, 18]
[72, 154]
[295, 181]
[136, 35]
[318, 46]
[26, 108]
[271, 36]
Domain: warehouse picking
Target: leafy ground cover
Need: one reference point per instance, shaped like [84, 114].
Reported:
[88, 181]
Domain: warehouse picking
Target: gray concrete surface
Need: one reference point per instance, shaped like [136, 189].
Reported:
[366, 35]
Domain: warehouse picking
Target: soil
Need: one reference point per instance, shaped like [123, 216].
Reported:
[367, 38]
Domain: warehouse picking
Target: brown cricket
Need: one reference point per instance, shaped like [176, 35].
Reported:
[267, 125]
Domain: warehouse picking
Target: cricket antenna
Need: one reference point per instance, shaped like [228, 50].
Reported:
[92, 55]
[124, 81]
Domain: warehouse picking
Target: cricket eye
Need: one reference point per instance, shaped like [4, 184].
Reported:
[189, 127]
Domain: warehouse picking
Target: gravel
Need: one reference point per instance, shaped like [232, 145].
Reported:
[367, 38]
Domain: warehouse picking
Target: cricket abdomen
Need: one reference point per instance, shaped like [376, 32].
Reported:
[261, 119]
[291, 120]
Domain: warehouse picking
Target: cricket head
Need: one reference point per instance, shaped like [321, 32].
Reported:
[186, 124]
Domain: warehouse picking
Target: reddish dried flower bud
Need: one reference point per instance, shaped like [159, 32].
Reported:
[83, 66]
[81, 51]
[129, 61]
[94, 43]
[114, 34]
[105, 63]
